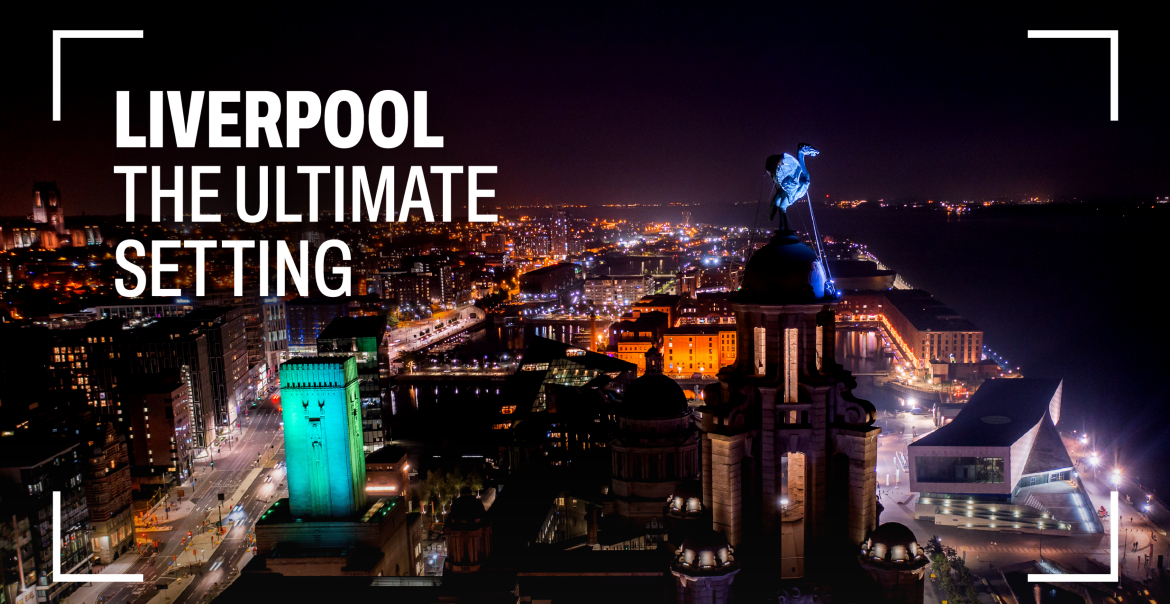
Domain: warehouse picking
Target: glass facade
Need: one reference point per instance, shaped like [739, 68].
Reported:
[959, 469]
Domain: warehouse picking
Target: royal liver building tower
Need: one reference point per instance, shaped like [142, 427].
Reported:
[788, 452]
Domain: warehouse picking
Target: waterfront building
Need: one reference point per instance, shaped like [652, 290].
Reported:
[699, 348]
[787, 449]
[924, 330]
[562, 407]
[550, 280]
[664, 303]
[630, 339]
[617, 291]
[1001, 464]
[706, 308]
[860, 274]
[412, 290]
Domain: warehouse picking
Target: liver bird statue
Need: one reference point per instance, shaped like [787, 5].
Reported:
[790, 180]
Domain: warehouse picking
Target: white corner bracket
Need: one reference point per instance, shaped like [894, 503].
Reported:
[61, 577]
[1112, 577]
[1090, 34]
[60, 34]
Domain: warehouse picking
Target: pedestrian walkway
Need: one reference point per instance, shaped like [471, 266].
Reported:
[203, 545]
[1032, 550]
[88, 593]
[164, 512]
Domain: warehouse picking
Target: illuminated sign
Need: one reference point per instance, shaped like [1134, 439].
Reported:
[574, 352]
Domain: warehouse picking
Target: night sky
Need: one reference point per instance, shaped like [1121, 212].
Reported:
[578, 104]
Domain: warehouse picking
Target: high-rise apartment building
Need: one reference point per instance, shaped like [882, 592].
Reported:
[161, 441]
[308, 317]
[364, 339]
[107, 491]
[30, 470]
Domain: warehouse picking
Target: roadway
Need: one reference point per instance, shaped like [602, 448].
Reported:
[231, 467]
[415, 335]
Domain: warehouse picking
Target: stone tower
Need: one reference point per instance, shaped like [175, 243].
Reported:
[704, 568]
[323, 437]
[654, 361]
[656, 448]
[896, 563]
[788, 452]
[47, 206]
[469, 534]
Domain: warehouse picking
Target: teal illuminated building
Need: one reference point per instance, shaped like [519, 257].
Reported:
[323, 437]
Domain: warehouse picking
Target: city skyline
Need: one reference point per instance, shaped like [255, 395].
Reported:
[568, 303]
[583, 106]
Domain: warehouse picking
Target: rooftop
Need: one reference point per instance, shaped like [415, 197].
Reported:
[999, 413]
[21, 452]
[354, 327]
[315, 361]
[927, 313]
[549, 269]
[699, 329]
[544, 350]
[387, 454]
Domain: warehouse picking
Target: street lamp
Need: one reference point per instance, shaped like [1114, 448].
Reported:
[1116, 478]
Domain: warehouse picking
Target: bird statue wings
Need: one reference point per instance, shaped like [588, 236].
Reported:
[790, 179]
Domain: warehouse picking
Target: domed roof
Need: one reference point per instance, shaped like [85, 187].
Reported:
[785, 271]
[704, 540]
[705, 550]
[893, 533]
[893, 543]
[654, 397]
[466, 511]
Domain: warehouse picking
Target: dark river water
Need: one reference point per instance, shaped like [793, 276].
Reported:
[1070, 293]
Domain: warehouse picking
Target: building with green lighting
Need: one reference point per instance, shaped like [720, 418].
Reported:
[323, 437]
[326, 526]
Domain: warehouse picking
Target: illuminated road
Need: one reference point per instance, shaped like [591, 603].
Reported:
[230, 469]
[413, 337]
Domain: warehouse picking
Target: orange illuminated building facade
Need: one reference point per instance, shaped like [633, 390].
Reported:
[387, 472]
[924, 327]
[630, 339]
[702, 349]
[663, 303]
